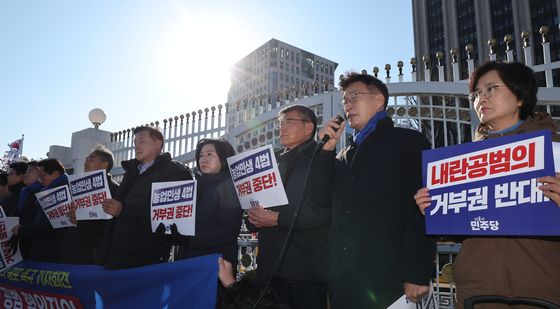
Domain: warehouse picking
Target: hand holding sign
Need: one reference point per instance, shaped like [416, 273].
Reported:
[551, 187]
[112, 207]
[423, 199]
[260, 217]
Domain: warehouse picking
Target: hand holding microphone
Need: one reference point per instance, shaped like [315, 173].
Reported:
[331, 132]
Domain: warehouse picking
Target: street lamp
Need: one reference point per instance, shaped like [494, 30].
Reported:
[97, 117]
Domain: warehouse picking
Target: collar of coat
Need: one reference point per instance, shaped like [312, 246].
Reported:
[300, 149]
[132, 165]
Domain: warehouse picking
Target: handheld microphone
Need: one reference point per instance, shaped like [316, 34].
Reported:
[326, 138]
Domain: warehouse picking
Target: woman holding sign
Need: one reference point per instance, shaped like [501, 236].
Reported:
[218, 214]
[504, 96]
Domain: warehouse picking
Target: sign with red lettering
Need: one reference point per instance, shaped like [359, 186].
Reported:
[88, 191]
[56, 203]
[490, 187]
[257, 179]
[8, 255]
[174, 202]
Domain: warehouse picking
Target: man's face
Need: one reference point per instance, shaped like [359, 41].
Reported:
[14, 178]
[94, 163]
[294, 129]
[361, 104]
[30, 175]
[147, 149]
[45, 178]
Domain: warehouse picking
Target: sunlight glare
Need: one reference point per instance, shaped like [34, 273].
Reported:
[196, 55]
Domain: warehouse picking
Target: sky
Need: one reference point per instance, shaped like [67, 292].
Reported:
[146, 60]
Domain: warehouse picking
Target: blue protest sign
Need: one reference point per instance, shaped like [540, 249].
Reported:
[489, 187]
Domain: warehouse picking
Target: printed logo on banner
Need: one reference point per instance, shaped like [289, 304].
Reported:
[56, 204]
[257, 179]
[88, 191]
[174, 203]
[490, 188]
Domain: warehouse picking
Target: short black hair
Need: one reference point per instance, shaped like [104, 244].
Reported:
[223, 148]
[155, 133]
[3, 179]
[305, 112]
[518, 78]
[106, 155]
[51, 165]
[19, 167]
[371, 82]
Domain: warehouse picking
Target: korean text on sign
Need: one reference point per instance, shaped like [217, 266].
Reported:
[490, 187]
[174, 203]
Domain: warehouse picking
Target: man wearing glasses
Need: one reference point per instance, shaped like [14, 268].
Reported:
[379, 250]
[301, 279]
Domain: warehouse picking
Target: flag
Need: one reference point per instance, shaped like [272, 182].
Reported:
[15, 151]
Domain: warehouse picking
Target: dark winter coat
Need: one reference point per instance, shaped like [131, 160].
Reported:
[10, 203]
[218, 219]
[131, 242]
[27, 213]
[378, 237]
[45, 242]
[307, 254]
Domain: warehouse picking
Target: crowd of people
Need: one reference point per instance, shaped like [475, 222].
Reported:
[352, 234]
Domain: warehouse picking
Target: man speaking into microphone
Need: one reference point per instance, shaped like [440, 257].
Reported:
[379, 250]
[300, 280]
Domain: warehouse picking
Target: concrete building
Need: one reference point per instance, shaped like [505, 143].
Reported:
[277, 71]
[440, 25]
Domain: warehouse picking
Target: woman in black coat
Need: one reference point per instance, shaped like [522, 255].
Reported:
[218, 213]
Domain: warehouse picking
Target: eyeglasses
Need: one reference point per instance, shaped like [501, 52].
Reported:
[285, 121]
[486, 92]
[352, 97]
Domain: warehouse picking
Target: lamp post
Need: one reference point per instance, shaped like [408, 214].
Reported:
[97, 117]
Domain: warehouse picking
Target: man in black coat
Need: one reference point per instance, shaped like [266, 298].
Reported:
[379, 250]
[40, 241]
[130, 242]
[301, 279]
[85, 240]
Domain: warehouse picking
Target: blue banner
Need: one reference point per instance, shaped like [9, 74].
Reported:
[489, 187]
[188, 283]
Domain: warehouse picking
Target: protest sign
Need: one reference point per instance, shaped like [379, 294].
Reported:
[174, 202]
[9, 255]
[257, 179]
[490, 188]
[56, 203]
[428, 301]
[88, 191]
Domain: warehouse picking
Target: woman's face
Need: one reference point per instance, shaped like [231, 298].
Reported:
[209, 161]
[496, 106]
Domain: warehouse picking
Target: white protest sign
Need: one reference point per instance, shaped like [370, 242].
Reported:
[429, 301]
[88, 191]
[257, 179]
[174, 202]
[56, 204]
[556, 154]
[8, 256]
